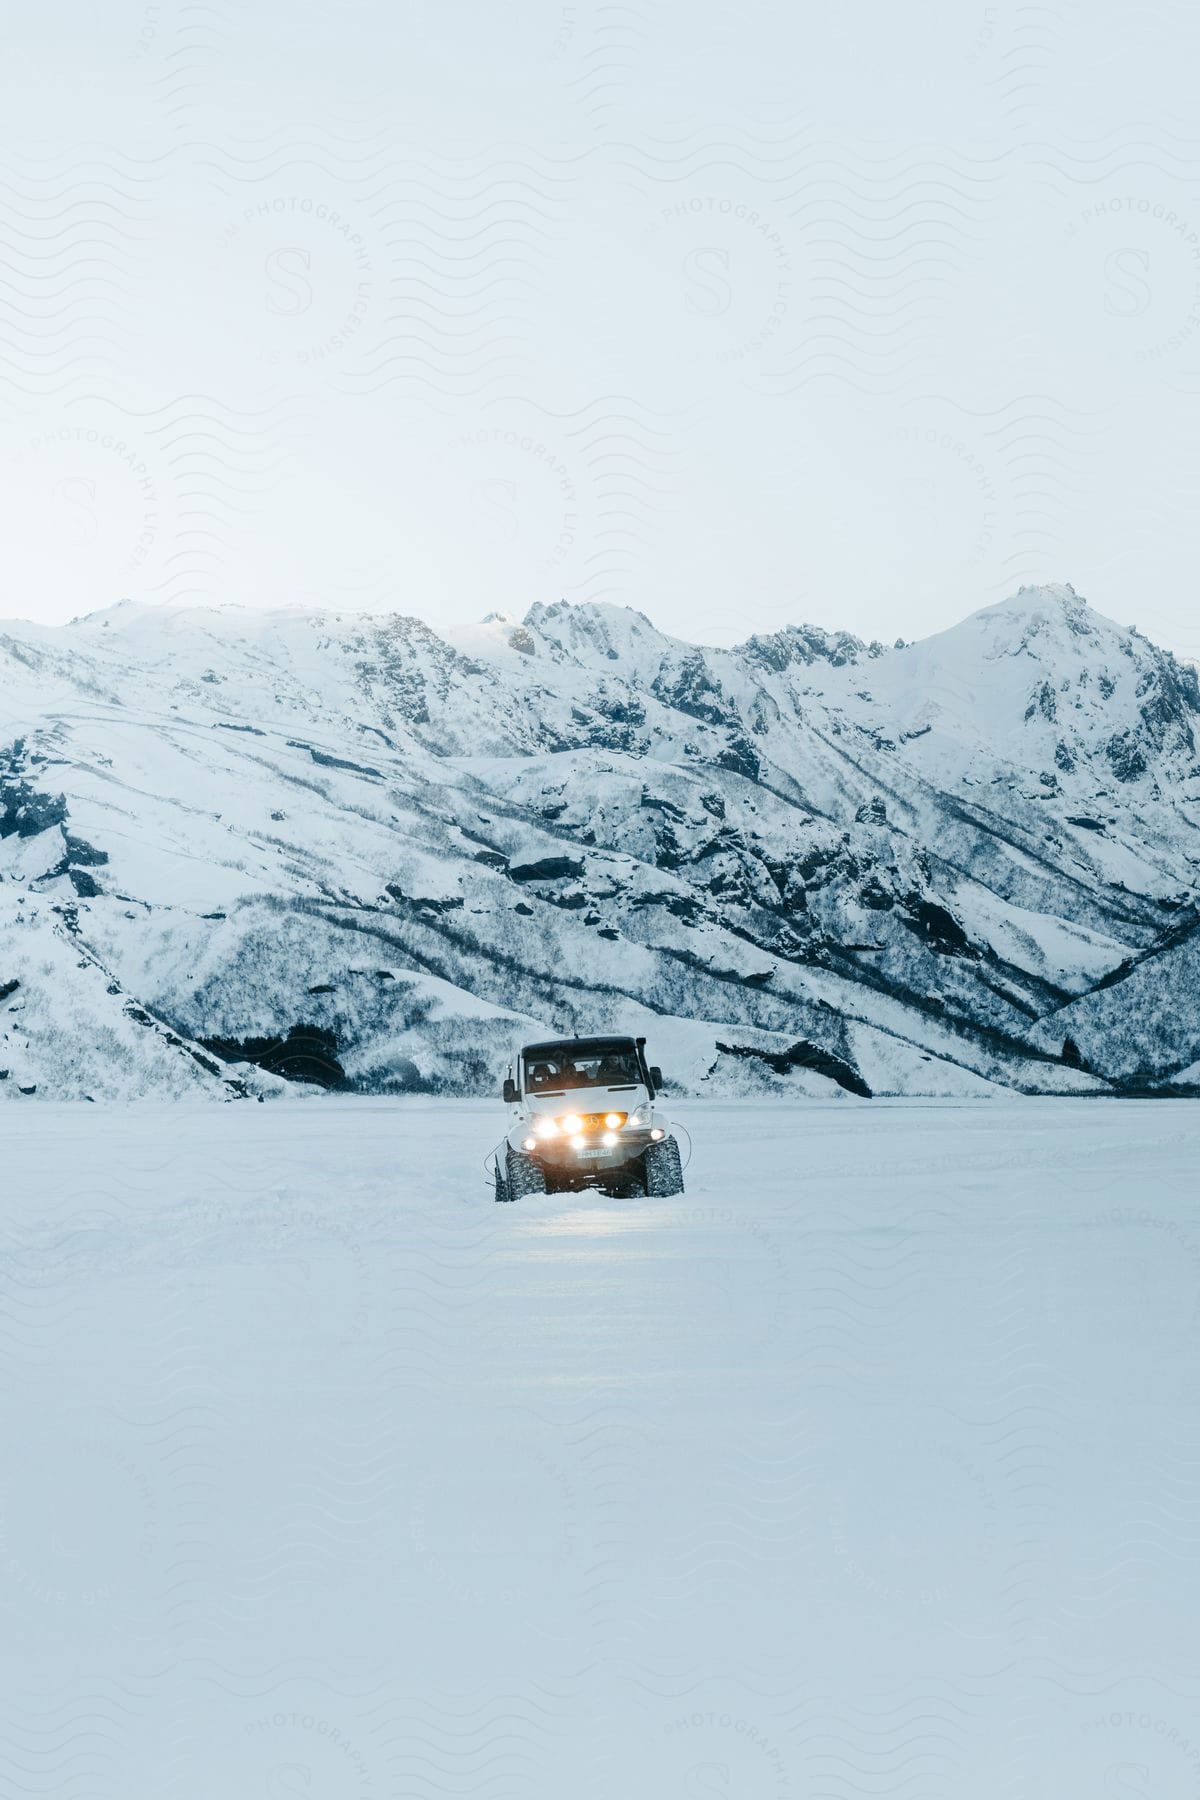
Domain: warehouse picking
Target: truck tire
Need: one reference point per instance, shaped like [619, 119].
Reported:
[524, 1175]
[502, 1193]
[664, 1172]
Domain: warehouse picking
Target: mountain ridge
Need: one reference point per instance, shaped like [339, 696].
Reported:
[805, 862]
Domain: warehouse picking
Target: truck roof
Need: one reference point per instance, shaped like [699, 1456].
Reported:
[585, 1045]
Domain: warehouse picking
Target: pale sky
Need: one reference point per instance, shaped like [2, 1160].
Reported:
[743, 316]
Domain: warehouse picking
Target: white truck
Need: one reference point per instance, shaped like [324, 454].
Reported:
[586, 1117]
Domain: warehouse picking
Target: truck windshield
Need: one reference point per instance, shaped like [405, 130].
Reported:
[549, 1070]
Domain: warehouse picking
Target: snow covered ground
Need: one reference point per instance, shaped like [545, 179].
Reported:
[871, 1466]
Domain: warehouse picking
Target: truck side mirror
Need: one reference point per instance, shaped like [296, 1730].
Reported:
[510, 1091]
[656, 1080]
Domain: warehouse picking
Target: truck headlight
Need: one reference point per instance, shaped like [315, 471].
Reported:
[571, 1123]
[639, 1118]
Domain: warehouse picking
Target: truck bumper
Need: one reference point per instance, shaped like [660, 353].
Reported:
[592, 1164]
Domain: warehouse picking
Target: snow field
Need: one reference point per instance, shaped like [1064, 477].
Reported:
[869, 1466]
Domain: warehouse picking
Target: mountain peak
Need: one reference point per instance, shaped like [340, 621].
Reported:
[588, 629]
[1042, 593]
[1049, 606]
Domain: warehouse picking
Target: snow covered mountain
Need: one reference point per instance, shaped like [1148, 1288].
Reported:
[237, 848]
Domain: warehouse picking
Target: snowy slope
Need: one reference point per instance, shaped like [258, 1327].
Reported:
[349, 849]
[1142, 1021]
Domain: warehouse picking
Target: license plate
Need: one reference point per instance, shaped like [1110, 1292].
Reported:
[591, 1153]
